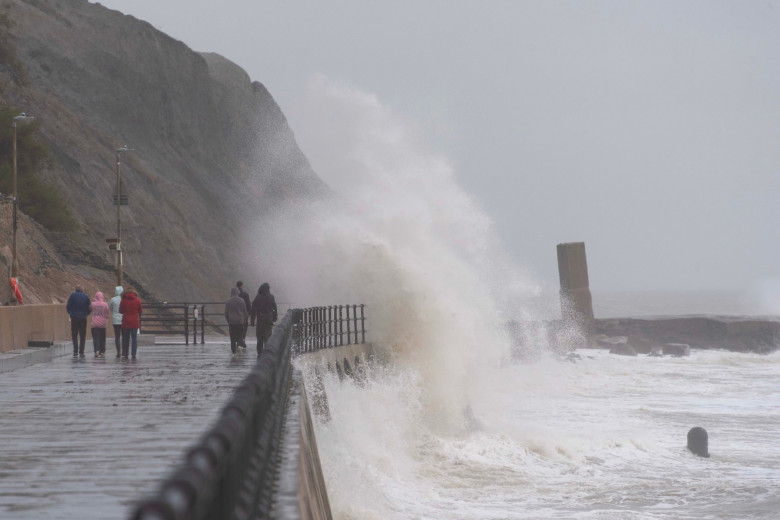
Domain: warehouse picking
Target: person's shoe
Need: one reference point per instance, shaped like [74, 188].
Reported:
[75, 354]
[124, 358]
[118, 356]
[133, 357]
[82, 354]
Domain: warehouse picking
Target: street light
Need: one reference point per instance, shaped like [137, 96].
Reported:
[14, 264]
[118, 203]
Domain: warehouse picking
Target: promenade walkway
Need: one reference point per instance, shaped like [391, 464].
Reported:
[84, 438]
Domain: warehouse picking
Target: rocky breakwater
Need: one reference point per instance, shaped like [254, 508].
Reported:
[670, 335]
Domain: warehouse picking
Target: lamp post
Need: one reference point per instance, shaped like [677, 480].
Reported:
[14, 263]
[119, 153]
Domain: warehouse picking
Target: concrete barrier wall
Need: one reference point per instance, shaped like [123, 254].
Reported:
[312, 494]
[339, 358]
[22, 323]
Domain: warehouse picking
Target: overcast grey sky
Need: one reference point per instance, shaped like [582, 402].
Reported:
[650, 130]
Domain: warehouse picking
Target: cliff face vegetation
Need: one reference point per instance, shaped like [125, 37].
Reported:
[211, 153]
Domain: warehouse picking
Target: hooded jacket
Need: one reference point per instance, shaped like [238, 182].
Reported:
[263, 304]
[100, 312]
[78, 305]
[235, 308]
[245, 296]
[113, 305]
[131, 310]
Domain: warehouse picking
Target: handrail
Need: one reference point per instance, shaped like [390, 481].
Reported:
[174, 319]
[230, 472]
[324, 327]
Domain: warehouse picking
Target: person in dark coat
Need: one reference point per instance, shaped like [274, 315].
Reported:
[131, 309]
[78, 308]
[235, 315]
[265, 314]
[244, 296]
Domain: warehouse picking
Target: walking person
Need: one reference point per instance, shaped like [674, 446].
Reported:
[116, 318]
[78, 309]
[264, 313]
[100, 315]
[235, 315]
[244, 296]
[131, 310]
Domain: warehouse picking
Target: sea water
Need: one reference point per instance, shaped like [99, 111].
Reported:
[454, 426]
[602, 436]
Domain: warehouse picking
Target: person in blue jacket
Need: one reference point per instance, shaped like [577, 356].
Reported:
[78, 307]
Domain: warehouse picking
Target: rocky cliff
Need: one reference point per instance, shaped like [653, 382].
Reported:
[212, 152]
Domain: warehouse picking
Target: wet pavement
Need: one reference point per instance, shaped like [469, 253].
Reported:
[86, 438]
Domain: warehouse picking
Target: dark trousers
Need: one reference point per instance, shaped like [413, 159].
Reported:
[235, 335]
[118, 339]
[127, 335]
[242, 342]
[99, 339]
[78, 332]
[265, 324]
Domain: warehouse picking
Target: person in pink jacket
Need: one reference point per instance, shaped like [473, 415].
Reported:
[100, 316]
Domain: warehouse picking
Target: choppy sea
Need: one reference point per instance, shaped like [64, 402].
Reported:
[603, 437]
[597, 437]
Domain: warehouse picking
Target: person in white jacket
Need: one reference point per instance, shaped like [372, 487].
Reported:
[116, 318]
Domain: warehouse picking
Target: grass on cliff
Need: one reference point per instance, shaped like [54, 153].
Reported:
[39, 200]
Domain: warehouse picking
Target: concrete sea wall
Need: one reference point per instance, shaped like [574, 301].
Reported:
[20, 324]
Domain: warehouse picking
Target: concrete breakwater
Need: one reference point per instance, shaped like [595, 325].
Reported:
[734, 333]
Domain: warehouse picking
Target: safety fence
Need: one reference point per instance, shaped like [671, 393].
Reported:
[187, 319]
[328, 327]
[233, 471]
[174, 319]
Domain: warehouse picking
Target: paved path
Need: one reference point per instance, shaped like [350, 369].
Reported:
[85, 438]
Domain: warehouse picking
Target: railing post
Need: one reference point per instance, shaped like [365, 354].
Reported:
[349, 334]
[362, 323]
[355, 317]
[202, 324]
[322, 328]
[340, 326]
[186, 324]
[195, 324]
[330, 326]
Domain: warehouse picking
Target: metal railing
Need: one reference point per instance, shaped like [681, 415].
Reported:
[174, 319]
[186, 318]
[230, 473]
[328, 327]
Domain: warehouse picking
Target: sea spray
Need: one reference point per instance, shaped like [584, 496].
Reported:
[401, 236]
[599, 438]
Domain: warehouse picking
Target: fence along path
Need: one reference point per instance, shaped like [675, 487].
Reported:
[190, 320]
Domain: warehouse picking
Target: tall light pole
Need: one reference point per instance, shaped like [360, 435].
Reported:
[14, 264]
[119, 153]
